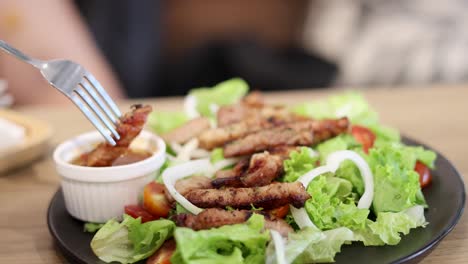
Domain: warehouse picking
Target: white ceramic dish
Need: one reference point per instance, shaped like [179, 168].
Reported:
[97, 194]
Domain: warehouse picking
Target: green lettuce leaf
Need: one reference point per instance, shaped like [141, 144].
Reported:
[333, 204]
[299, 163]
[347, 169]
[350, 104]
[240, 243]
[388, 227]
[396, 184]
[163, 122]
[225, 93]
[296, 244]
[216, 155]
[130, 241]
[92, 227]
[325, 249]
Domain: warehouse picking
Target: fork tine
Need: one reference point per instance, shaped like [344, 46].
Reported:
[95, 109]
[103, 94]
[93, 119]
[99, 101]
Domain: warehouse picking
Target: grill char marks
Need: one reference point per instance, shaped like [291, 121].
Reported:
[303, 133]
[267, 197]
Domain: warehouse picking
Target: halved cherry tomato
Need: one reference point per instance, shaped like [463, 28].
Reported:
[280, 212]
[136, 211]
[364, 136]
[163, 254]
[425, 177]
[154, 200]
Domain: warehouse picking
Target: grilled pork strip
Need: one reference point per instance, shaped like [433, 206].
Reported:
[215, 217]
[266, 197]
[184, 186]
[130, 125]
[212, 217]
[187, 131]
[231, 114]
[256, 120]
[304, 133]
[262, 169]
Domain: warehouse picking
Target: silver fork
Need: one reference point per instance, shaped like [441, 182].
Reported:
[81, 87]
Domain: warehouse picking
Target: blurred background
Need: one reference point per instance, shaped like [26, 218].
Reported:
[164, 48]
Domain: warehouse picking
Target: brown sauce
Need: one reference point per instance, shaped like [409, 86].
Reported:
[129, 157]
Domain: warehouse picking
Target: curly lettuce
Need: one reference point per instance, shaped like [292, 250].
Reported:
[240, 243]
[224, 93]
[130, 241]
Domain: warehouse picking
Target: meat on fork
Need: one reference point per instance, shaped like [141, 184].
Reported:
[215, 217]
[266, 197]
[304, 133]
[129, 127]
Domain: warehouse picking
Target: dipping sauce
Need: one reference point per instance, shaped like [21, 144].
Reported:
[128, 157]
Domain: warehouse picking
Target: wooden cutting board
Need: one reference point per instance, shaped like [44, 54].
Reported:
[35, 144]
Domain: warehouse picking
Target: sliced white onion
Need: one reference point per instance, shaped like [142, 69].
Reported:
[299, 214]
[312, 174]
[312, 153]
[279, 247]
[200, 153]
[176, 147]
[222, 164]
[190, 106]
[172, 174]
[186, 151]
[214, 109]
[333, 162]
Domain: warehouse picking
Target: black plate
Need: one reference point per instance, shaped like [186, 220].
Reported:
[447, 189]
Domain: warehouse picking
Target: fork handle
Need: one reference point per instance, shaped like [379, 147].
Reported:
[20, 55]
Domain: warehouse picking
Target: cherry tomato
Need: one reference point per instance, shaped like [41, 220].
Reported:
[136, 211]
[364, 136]
[280, 212]
[425, 177]
[154, 200]
[163, 254]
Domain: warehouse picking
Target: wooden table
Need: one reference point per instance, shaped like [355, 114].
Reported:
[437, 116]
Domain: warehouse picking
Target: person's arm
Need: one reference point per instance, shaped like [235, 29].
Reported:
[47, 29]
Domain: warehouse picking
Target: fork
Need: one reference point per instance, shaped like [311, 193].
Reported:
[81, 88]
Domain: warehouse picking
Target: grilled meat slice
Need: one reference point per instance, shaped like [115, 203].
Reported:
[187, 131]
[304, 133]
[215, 217]
[130, 125]
[231, 114]
[279, 225]
[256, 120]
[184, 186]
[267, 197]
[262, 169]
[212, 217]
[283, 151]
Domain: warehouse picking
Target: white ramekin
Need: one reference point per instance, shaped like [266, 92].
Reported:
[97, 194]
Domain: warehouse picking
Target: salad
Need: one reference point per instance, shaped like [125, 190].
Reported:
[251, 182]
